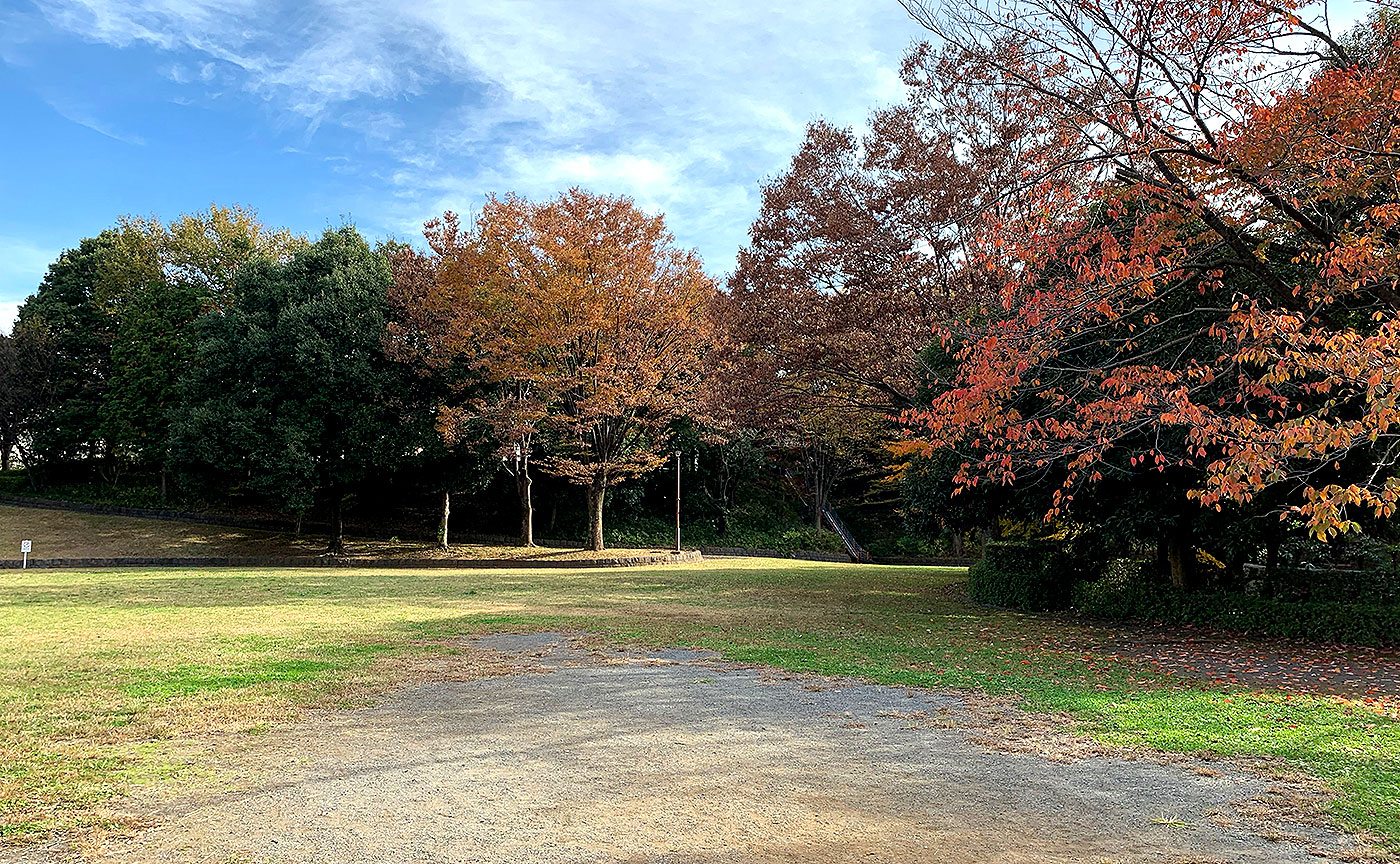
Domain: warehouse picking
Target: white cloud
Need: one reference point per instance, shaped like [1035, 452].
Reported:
[22, 267]
[647, 178]
[684, 106]
[84, 117]
[9, 309]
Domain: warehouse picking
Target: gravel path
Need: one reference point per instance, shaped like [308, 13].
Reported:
[675, 757]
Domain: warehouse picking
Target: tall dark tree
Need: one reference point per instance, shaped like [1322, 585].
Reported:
[66, 315]
[157, 279]
[26, 392]
[291, 388]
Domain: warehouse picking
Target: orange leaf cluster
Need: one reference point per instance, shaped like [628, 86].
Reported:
[1199, 260]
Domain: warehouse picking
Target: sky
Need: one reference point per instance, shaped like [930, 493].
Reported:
[387, 113]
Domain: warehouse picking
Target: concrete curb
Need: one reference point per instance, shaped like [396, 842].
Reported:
[688, 556]
[800, 555]
[836, 557]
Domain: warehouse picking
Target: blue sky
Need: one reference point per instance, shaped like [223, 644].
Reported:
[387, 113]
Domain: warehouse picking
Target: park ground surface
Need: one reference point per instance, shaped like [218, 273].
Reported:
[65, 534]
[141, 710]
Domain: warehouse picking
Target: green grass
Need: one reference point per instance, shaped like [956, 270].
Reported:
[114, 680]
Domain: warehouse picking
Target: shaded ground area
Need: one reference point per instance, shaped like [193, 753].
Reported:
[592, 756]
[64, 534]
[1370, 675]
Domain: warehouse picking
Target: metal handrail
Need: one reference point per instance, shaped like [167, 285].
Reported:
[853, 549]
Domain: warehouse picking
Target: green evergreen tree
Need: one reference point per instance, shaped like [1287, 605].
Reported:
[290, 390]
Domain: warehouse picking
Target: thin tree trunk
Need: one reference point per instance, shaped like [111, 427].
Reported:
[523, 484]
[162, 487]
[31, 471]
[337, 542]
[595, 516]
[442, 523]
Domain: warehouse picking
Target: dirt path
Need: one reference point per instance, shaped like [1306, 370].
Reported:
[675, 757]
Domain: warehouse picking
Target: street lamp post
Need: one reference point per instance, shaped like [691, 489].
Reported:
[678, 502]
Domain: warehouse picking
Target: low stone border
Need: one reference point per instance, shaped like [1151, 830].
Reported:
[741, 552]
[685, 557]
[838, 557]
[930, 561]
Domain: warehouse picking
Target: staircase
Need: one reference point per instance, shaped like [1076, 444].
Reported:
[853, 549]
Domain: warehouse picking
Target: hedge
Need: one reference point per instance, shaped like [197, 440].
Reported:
[1033, 575]
[1317, 620]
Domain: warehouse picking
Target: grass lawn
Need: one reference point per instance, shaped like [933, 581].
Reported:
[113, 679]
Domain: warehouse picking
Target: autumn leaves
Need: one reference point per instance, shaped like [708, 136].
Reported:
[577, 319]
[1196, 258]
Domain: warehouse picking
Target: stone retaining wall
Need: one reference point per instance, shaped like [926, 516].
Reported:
[688, 556]
[800, 555]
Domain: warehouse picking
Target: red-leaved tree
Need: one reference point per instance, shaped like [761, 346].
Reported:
[1198, 260]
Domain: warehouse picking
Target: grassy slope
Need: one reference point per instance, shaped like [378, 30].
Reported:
[114, 678]
[63, 534]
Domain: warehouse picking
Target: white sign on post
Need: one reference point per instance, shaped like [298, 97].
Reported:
[24, 547]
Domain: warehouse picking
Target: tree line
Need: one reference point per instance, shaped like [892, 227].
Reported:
[1119, 272]
[1124, 274]
[569, 336]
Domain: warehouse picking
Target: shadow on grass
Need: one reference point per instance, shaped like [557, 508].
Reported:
[224, 588]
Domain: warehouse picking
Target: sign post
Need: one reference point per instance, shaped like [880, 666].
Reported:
[24, 547]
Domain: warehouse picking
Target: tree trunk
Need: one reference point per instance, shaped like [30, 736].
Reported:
[31, 471]
[5, 457]
[1180, 558]
[442, 523]
[162, 487]
[523, 484]
[595, 516]
[337, 542]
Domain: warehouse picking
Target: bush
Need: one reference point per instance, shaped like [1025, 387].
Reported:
[127, 494]
[1356, 568]
[1126, 594]
[1033, 575]
[653, 531]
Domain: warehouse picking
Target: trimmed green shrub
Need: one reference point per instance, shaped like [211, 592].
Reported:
[1118, 598]
[783, 537]
[1033, 575]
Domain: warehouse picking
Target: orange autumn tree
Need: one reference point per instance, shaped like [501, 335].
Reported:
[853, 260]
[470, 311]
[630, 334]
[456, 326]
[588, 326]
[1198, 266]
